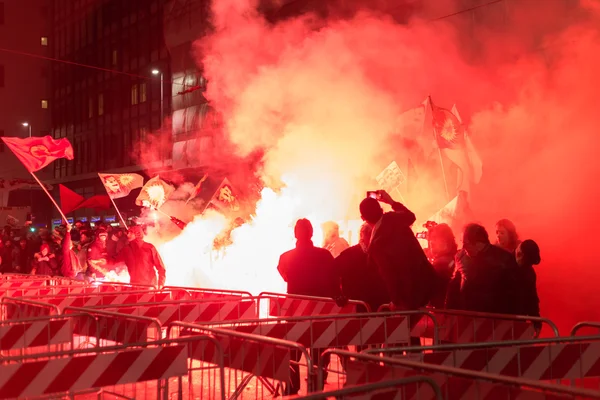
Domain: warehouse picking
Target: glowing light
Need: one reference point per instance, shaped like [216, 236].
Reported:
[155, 72]
[25, 124]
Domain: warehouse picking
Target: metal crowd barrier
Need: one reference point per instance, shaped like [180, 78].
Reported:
[323, 331]
[551, 359]
[105, 299]
[34, 335]
[455, 383]
[190, 310]
[471, 327]
[288, 305]
[376, 391]
[585, 325]
[204, 293]
[246, 358]
[135, 371]
[111, 328]
[18, 308]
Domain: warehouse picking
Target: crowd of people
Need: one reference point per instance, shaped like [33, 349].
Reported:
[81, 252]
[390, 266]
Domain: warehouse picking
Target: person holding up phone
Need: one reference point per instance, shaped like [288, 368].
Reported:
[396, 252]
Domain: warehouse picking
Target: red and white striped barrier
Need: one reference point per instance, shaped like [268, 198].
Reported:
[260, 359]
[104, 299]
[283, 305]
[113, 328]
[322, 333]
[579, 359]
[194, 311]
[83, 371]
[261, 356]
[17, 283]
[472, 327]
[454, 383]
[42, 332]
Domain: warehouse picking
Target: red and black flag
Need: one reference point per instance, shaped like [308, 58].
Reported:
[448, 130]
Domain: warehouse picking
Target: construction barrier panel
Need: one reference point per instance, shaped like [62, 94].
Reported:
[473, 327]
[379, 390]
[110, 328]
[326, 331]
[245, 357]
[131, 372]
[551, 359]
[286, 305]
[190, 311]
[18, 308]
[455, 383]
[189, 293]
[104, 299]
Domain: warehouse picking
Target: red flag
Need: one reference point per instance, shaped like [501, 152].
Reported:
[197, 189]
[69, 200]
[37, 152]
[225, 198]
[449, 131]
[97, 202]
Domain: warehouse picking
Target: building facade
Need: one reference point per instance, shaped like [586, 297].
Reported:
[115, 103]
[24, 90]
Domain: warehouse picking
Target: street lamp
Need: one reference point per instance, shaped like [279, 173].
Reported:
[27, 125]
[162, 85]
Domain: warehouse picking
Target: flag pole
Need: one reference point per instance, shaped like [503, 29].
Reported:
[439, 153]
[118, 212]
[50, 197]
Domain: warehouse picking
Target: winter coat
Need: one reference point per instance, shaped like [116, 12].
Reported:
[309, 271]
[401, 261]
[360, 280]
[143, 263]
[484, 283]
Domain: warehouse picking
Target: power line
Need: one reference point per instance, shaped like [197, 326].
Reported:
[114, 71]
[466, 10]
[137, 76]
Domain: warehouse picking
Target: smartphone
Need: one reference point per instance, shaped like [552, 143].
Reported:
[373, 194]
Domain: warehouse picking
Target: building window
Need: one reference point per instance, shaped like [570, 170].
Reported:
[1, 75]
[115, 58]
[143, 96]
[44, 103]
[90, 107]
[101, 104]
[134, 94]
[44, 41]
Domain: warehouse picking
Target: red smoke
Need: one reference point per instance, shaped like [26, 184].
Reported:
[322, 97]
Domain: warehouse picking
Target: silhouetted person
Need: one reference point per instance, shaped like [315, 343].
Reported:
[397, 253]
[98, 260]
[25, 257]
[506, 235]
[45, 262]
[308, 271]
[332, 240]
[9, 257]
[528, 302]
[443, 248]
[70, 265]
[142, 259]
[360, 280]
[484, 277]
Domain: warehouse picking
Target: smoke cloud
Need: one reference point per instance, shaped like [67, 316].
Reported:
[322, 98]
[319, 98]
